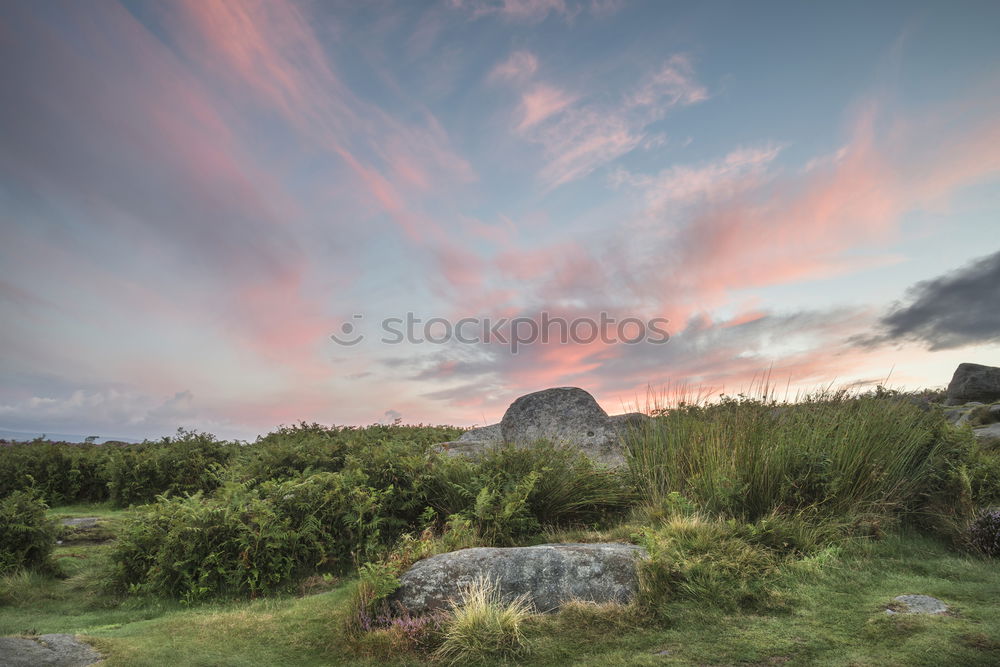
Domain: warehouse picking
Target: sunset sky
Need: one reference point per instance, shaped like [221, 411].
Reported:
[195, 195]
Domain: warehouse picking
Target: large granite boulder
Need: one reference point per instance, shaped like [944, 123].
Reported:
[974, 382]
[562, 415]
[549, 574]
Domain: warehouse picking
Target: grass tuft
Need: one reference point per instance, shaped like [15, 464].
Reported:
[484, 628]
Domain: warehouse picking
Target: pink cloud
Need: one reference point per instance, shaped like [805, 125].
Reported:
[520, 65]
[541, 102]
[272, 50]
[577, 137]
[674, 83]
[516, 10]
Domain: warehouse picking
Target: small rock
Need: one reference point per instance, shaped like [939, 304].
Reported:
[83, 522]
[58, 650]
[954, 414]
[995, 411]
[986, 432]
[917, 604]
[550, 574]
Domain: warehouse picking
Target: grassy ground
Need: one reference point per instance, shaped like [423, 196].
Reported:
[832, 613]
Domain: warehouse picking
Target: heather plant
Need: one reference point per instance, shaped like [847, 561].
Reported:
[26, 533]
[984, 533]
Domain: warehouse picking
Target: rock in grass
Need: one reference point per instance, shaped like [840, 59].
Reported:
[987, 432]
[562, 415]
[550, 574]
[84, 521]
[974, 382]
[46, 651]
[917, 604]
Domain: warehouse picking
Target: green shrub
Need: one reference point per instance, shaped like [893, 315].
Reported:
[292, 451]
[193, 548]
[26, 534]
[188, 463]
[60, 472]
[983, 471]
[336, 517]
[512, 493]
[484, 628]
[248, 541]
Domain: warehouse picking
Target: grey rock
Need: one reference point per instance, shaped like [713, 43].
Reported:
[549, 574]
[474, 442]
[563, 416]
[489, 433]
[84, 521]
[917, 604]
[995, 411]
[987, 432]
[630, 420]
[962, 414]
[566, 416]
[975, 382]
[58, 650]
[954, 414]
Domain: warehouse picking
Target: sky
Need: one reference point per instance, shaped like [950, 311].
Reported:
[197, 197]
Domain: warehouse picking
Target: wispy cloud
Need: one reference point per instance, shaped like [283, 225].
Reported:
[579, 134]
[521, 65]
[541, 102]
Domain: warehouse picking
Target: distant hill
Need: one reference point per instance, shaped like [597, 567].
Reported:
[20, 436]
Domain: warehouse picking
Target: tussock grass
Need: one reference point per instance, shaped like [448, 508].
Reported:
[484, 628]
[842, 455]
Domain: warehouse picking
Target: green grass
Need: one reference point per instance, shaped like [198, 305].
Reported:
[778, 536]
[834, 616]
[483, 628]
[748, 457]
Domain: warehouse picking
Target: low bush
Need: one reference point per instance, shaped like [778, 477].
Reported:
[192, 548]
[512, 493]
[185, 464]
[484, 628]
[248, 541]
[336, 517]
[292, 451]
[26, 534]
[59, 472]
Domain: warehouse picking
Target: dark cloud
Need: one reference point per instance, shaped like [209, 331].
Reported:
[954, 310]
